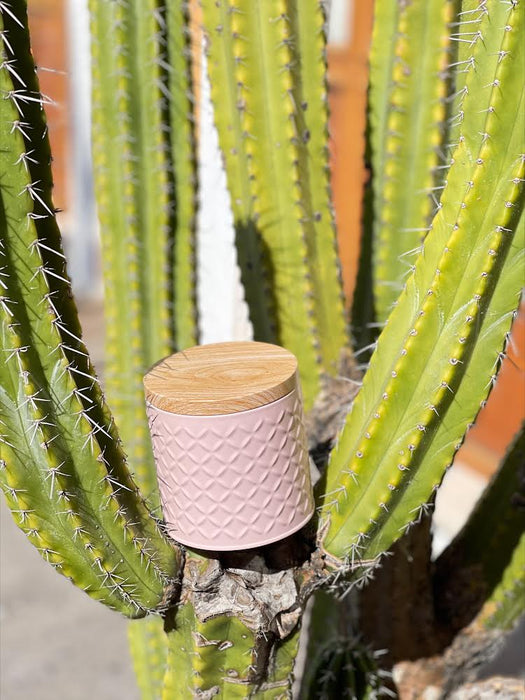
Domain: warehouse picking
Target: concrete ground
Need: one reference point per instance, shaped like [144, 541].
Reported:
[58, 644]
[55, 642]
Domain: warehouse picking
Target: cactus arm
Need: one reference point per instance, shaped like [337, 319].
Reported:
[143, 56]
[223, 53]
[131, 178]
[274, 142]
[310, 96]
[264, 76]
[507, 602]
[183, 163]
[62, 467]
[411, 148]
[148, 647]
[114, 140]
[464, 289]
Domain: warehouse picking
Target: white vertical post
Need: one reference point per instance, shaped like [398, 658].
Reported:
[222, 312]
[83, 243]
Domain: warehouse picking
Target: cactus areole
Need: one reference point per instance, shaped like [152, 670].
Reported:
[230, 448]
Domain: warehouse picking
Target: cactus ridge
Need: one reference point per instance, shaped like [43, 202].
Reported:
[148, 648]
[411, 146]
[444, 317]
[78, 504]
[183, 171]
[465, 35]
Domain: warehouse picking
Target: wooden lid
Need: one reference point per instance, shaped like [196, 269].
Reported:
[221, 378]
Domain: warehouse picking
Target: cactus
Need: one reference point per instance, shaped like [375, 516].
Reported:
[445, 135]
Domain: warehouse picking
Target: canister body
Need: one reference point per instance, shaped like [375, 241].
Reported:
[233, 481]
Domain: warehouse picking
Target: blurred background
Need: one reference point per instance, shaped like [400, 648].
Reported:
[55, 642]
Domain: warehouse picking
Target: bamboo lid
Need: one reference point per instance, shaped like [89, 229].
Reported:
[221, 378]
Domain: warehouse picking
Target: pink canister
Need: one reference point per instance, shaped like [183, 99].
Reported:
[230, 448]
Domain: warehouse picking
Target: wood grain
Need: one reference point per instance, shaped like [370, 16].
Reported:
[221, 378]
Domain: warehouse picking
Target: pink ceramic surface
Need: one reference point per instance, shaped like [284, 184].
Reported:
[233, 481]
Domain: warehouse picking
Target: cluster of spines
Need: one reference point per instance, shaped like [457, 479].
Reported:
[465, 34]
[409, 107]
[278, 179]
[61, 466]
[432, 367]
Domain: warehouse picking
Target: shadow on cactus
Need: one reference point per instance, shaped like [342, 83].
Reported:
[446, 231]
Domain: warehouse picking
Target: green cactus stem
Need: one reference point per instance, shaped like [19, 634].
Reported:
[278, 179]
[434, 361]
[407, 100]
[62, 469]
[144, 153]
[183, 171]
[149, 650]
[123, 211]
[223, 658]
[145, 169]
[311, 118]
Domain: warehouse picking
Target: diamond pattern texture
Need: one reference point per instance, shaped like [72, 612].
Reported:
[233, 481]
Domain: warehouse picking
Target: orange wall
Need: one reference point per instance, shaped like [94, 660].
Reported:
[48, 36]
